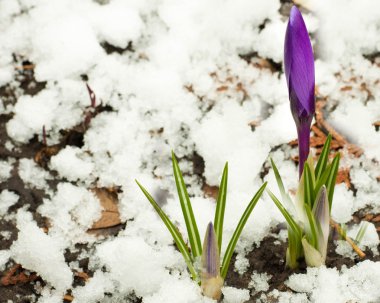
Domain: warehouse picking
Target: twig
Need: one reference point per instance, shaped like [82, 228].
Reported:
[92, 96]
[44, 141]
[360, 253]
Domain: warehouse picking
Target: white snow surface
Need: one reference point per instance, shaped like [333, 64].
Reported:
[174, 76]
[44, 253]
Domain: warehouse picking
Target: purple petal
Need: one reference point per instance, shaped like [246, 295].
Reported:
[299, 66]
[210, 254]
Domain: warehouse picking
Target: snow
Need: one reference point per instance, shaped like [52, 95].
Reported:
[5, 170]
[32, 174]
[45, 253]
[358, 283]
[171, 75]
[4, 257]
[94, 290]
[136, 266]
[235, 295]
[71, 212]
[259, 281]
[7, 199]
[71, 163]
[343, 204]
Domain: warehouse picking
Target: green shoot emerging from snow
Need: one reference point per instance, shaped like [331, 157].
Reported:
[211, 275]
[308, 218]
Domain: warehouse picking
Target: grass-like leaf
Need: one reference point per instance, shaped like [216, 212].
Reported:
[292, 224]
[220, 207]
[323, 158]
[187, 210]
[280, 184]
[323, 178]
[330, 183]
[313, 237]
[177, 237]
[361, 232]
[308, 186]
[294, 250]
[235, 237]
[284, 195]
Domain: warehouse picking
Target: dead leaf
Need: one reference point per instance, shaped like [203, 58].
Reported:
[17, 275]
[344, 177]
[42, 157]
[110, 214]
[211, 191]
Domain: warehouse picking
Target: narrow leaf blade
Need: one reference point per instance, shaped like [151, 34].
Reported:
[220, 207]
[289, 219]
[177, 237]
[284, 195]
[331, 180]
[308, 186]
[187, 210]
[313, 236]
[235, 237]
[323, 158]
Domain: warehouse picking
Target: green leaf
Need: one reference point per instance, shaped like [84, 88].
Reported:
[284, 195]
[187, 210]
[323, 179]
[278, 179]
[359, 236]
[220, 207]
[294, 250]
[313, 236]
[174, 232]
[313, 257]
[292, 224]
[331, 180]
[235, 237]
[308, 186]
[323, 158]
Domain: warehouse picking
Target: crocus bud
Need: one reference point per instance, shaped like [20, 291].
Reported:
[316, 256]
[211, 281]
[299, 72]
[321, 211]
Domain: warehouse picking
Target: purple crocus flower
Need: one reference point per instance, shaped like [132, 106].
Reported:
[299, 72]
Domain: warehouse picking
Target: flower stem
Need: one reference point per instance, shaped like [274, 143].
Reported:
[303, 145]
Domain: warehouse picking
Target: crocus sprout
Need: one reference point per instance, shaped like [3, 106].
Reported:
[300, 78]
[211, 281]
[308, 216]
[211, 275]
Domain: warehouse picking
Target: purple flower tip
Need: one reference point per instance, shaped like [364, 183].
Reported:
[299, 66]
[210, 256]
[299, 72]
